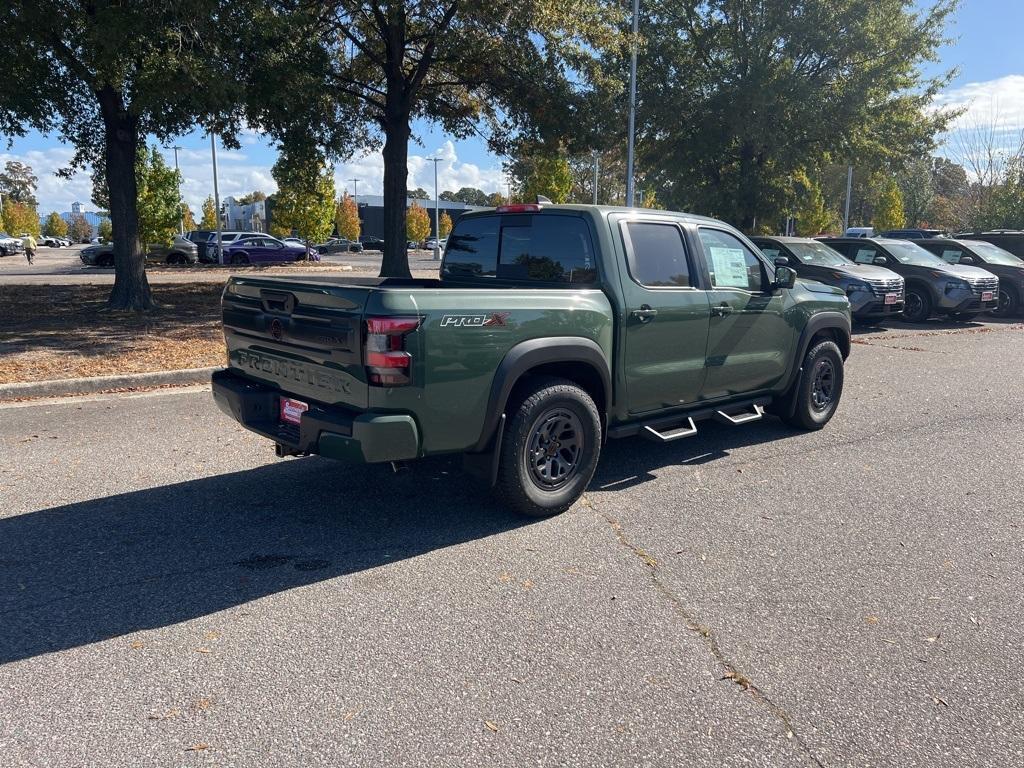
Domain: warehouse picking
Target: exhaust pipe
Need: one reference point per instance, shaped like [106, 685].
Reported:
[283, 450]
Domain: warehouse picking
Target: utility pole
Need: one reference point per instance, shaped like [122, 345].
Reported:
[216, 197]
[181, 214]
[849, 191]
[632, 106]
[437, 221]
[594, 153]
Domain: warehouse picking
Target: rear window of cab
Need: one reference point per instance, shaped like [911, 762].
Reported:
[543, 248]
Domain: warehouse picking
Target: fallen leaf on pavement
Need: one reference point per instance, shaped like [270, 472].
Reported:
[135, 645]
[202, 650]
[871, 619]
[197, 747]
[491, 726]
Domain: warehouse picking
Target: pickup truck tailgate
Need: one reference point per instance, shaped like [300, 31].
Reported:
[303, 337]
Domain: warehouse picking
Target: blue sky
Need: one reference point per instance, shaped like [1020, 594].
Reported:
[987, 51]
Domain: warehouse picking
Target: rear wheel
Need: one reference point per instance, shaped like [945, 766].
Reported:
[107, 260]
[820, 387]
[918, 305]
[550, 449]
[239, 258]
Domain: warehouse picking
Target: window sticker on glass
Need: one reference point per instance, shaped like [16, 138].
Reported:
[865, 255]
[953, 257]
[729, 266]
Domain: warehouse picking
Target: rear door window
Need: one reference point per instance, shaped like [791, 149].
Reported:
[656, 254]
[546, 248]
[472, 249]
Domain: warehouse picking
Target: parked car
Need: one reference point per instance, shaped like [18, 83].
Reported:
[339, 245]
[371, 243]
[431, 242]
[874, 292]
[9, 246]
[933, 286]
[1011, 240]
[49, 241]
[859, 232]
[1003, 264]
[612, 322]
[206, 241]
[913, 233]
[181, 251]
[264, 249]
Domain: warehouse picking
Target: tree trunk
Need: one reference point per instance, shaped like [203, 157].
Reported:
[395, 262]
[121, 129]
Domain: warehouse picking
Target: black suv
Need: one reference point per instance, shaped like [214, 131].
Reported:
[874, 292]
[1003, 264]
[934, 286]
[913, 233]
[1011, 240]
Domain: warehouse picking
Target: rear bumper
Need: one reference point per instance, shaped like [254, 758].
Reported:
[331, 432]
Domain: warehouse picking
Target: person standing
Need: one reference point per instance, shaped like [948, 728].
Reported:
[30, 247]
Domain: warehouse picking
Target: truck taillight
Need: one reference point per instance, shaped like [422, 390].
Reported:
[388, 364]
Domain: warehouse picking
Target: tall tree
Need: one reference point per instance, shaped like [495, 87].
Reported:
[105, 230]
[20, 218]
[346, 218]
[417, 223]
[79, 230]
[19, 183]
[917, 188]
[209, 220]
[496, 66]
[105, 75]
[55, 226]
[188, 220]
[889, 212]
[304, 203]
[445, 224]
[158, 200]
[736, 95]
[540, 171]
[418, 194]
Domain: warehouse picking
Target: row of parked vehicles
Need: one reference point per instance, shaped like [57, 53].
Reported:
[902, 274]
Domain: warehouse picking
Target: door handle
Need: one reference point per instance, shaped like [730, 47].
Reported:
[645, 314]
[721, 310]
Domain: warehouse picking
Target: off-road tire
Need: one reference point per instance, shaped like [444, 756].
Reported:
[524, 459]
[809, 412]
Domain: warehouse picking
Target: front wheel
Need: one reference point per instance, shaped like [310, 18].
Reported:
[1008, 303]
[549, 451]
[917, 306]
[820, 387]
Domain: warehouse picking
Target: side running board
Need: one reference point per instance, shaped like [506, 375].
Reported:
[689, 429]
[743, 418]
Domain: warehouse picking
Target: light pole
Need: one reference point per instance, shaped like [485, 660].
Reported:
[216, 197]
[632, 106]
[594, 154]
[181, 214]
[437, 221]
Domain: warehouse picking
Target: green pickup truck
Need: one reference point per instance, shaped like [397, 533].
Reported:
[551, 329]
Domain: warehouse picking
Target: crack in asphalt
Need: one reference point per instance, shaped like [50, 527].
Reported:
[730, 669]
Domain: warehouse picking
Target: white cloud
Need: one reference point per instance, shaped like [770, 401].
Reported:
[54, 193]
[999, 103]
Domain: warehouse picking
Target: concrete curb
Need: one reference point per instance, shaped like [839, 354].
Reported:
[68, 387]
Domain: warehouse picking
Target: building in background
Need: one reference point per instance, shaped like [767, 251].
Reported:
[246, 217]
[91, 217]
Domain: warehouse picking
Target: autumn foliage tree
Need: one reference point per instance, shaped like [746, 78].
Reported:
[104, 230]
[305, 198]
[79, 230]
[889, 209]
[20, 218]
[346, 218]
[445, 224]
[55, 226]
[209, 220]
[417, 223]
[187, 219]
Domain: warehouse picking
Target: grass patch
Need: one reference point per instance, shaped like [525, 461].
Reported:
[64, 331]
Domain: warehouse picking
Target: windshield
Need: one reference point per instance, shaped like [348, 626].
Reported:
[818, 255]
[993, 254]
[910, 253]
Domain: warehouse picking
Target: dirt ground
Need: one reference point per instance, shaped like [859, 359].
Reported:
[63, 331]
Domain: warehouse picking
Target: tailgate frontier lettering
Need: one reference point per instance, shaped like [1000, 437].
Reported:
[293, 371]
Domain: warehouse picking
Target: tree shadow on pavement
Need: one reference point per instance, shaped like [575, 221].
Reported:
[85, 572]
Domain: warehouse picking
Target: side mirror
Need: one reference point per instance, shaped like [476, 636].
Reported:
[965, 259]
[785, 277]
[781, 261]
[879, 261]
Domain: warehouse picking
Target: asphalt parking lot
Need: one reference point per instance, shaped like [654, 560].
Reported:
[62, 266]
[171, 594]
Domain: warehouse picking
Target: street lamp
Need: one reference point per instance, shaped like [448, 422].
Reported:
[181, 214]
[632, 106]
[216, 198]
[437, 221]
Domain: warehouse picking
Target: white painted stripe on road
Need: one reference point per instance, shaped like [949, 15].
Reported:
[76, 399]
